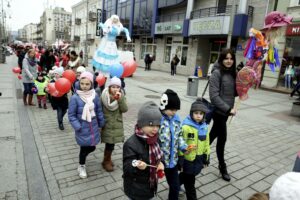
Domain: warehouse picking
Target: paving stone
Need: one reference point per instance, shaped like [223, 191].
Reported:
[209, 188]
[245, 193]
[239, 174]
[227, 191]
[243, 183]
[261, 186]
[256, 176]
[212, 196]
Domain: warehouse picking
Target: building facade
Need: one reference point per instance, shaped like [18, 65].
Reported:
[196, 31]
[84, 26]
[30, 32]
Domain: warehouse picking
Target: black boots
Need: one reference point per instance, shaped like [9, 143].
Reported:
[61, 126]
[224, 173]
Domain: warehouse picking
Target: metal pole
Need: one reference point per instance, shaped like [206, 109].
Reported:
[231, 25]
[86, 34]
[2, 57]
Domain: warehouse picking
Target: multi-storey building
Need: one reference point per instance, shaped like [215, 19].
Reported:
[84, 26]
[22, 35]
[55, 25]
[30, 30]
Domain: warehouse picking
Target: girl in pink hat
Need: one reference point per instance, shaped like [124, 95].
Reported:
[86, 117]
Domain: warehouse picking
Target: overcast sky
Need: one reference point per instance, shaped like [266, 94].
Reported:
[29, 11]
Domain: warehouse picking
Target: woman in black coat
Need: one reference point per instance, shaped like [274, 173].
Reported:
[222, 93]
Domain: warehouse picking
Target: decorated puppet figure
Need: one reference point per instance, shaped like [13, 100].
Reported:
[107, 53]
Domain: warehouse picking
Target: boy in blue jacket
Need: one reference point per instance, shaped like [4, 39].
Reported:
[170, 139]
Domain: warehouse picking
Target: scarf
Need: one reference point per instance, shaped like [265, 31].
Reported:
[155, 155]
[88, 110]
[111, 105]
[32, 62]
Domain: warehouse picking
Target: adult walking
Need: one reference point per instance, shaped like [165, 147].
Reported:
[47, 60]
[174, 63]
[29, 74]
[222, 92]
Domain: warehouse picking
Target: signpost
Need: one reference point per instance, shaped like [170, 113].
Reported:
[98, 29]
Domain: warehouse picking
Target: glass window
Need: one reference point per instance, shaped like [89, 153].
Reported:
[167, 54]
[185, 40]
[169, 40]
[184, 55]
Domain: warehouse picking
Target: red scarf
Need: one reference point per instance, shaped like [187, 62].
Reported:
[155, 154]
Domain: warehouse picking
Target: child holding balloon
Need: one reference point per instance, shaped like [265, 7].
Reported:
[114, 105]
[59, 102]
[86, 117]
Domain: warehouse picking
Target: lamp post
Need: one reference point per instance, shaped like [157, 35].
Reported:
[86, 35]
[2, 32]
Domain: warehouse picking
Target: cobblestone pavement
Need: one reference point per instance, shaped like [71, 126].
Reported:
[262, 144]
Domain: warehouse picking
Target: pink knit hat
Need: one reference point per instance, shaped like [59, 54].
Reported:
[87, 75]
[115, 81]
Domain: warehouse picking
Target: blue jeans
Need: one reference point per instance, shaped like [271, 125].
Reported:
[27, 88]
[173, 181]
[287, 82]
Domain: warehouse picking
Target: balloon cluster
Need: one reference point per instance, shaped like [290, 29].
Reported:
[62, 85]
[123, 70]
[17, 71]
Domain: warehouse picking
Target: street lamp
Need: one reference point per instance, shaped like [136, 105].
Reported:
[86, 35]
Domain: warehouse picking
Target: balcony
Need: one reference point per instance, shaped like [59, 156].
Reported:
[77, 21]
[167, 3]
[218, 11]
[172, 17]
[92, 16]
[76, 38]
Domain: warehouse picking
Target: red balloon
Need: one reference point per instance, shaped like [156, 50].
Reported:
[51, 88]
[16, 70]
[129, 68]
[19, 76]
[100, 79]
[63, 85]
[56, 94]
[40, 68]
[70, 75]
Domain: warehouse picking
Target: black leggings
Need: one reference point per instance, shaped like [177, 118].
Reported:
[109, 147]
[219, 131]
[188, 180]
[84, 152]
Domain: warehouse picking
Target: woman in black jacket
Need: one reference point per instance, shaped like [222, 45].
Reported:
[222, 93]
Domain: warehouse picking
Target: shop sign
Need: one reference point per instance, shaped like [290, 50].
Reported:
[293, 29]
[168, 27]
[209, 26]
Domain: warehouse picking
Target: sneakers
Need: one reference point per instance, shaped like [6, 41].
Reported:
[40, 106]
[82, 171]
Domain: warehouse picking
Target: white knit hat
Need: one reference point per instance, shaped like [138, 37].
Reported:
[115, 81]
[81, 69]
[59, 71]
[286, 187]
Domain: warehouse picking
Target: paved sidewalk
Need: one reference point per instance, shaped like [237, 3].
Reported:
[262, 144]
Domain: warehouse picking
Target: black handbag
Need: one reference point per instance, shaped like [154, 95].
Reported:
[209, 115]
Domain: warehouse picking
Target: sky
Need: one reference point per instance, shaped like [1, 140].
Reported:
[29, 11]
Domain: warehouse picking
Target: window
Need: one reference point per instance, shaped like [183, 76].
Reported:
[168, 48]
[148, 46]
[184, 55]
[222, 6]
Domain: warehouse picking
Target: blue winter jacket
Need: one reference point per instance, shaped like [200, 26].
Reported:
[86, 133]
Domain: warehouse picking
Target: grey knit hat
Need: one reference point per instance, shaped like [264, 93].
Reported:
[198, 105]
[149, 115]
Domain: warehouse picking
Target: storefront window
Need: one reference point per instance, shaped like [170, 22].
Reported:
[148, 46]
[184, 55]
[167, 54]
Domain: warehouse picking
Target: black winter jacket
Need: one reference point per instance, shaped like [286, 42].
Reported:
[136, 181]
[222, 90]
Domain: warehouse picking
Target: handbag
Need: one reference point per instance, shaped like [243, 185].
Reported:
[209, 105]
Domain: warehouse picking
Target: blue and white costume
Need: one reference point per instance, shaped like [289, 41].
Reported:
[107, 52]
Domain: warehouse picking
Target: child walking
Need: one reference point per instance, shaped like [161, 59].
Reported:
[142, 155]
[60, 104]
[86, 117]
[195, 133]
[41, 84]
[170, 139]
[114, 105]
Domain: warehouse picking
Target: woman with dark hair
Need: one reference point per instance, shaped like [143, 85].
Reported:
[222, 93]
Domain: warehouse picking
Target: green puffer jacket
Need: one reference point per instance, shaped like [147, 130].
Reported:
[113, 131]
